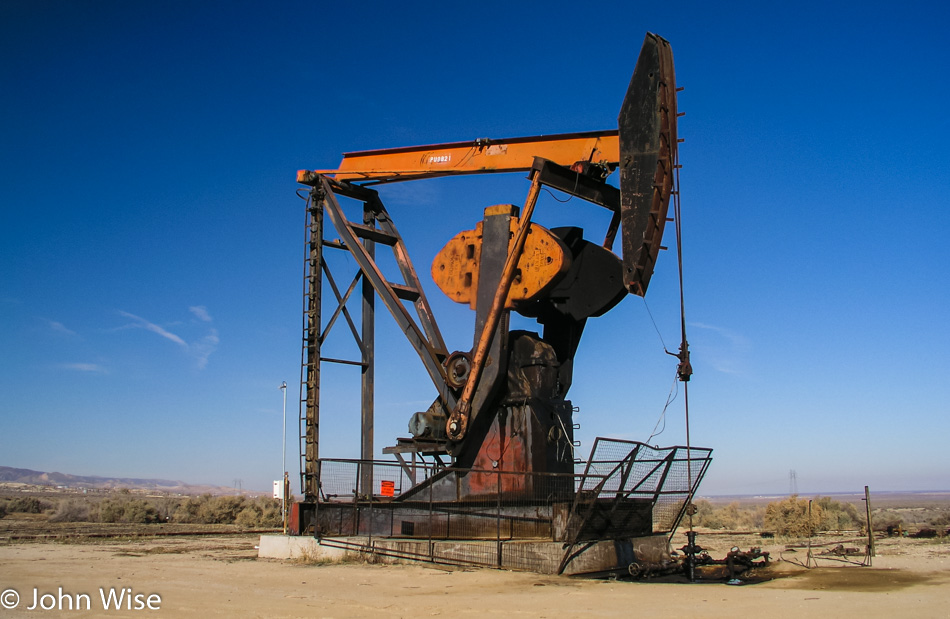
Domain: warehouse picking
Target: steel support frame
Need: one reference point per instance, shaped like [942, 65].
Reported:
[431, 351]
[425, 336]
[360, 240]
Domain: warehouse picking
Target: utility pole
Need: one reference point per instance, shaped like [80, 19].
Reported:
[867, 506]
[283, 463]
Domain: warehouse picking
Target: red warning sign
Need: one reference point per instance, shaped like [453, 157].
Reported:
[387, 488]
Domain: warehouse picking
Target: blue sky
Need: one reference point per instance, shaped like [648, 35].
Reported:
[152, 241]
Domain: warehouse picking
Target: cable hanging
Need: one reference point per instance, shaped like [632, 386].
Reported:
[684, 369]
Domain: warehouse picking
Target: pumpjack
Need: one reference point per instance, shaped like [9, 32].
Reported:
[500, 429]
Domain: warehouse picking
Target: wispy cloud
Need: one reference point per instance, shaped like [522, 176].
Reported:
[736, 339]
[154, 328]
[200, 350]
[203, 348]
[200, 312]
[726, 366]
[725, 357]
[85, 367]
[59, 327]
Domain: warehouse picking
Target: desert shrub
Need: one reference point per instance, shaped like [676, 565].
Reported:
[725, 517]
[140, 511]
[3, 510]
[187, 511]
[166, 508]
[886, 518]
[734, 516]
[246, 512]
[248, 517]
[790, 517]
[72, 510]
[270, 512]
[27, 505]
[136, 511]
[262, 512]
[706, 515]
[941, 520]
[837, 516]
[753, 518]
[731, 516]
[220, 509]
[111, 510]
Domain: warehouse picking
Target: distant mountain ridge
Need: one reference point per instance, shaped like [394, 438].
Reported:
[9, 474]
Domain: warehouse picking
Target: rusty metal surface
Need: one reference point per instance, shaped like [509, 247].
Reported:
[575, 181]
[543, 261]
[457, 425]
[408, 271]
[591, 287]
[458, 366]
[368, 345]
[648, 154]
[628, 492]
[310, 361]
[500, 410]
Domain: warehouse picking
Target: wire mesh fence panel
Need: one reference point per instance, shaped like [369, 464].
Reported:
[338, 480]
[346, 479]
[490, 517]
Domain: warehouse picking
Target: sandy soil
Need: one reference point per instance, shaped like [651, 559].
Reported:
[221, 576]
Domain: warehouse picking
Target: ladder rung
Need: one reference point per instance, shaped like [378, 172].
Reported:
[405, 292]
[373, 234]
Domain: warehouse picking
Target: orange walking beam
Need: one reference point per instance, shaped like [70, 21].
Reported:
[476, 157]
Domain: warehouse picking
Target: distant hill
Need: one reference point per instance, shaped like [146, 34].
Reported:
[9, 474]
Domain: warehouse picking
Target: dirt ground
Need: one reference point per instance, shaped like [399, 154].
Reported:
[204, 576]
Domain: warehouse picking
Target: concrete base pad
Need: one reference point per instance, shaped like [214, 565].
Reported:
[529, 555]
[276, 546]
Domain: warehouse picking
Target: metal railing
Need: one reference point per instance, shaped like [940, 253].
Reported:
[484, 517]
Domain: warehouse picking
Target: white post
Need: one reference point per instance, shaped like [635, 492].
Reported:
[283, 464]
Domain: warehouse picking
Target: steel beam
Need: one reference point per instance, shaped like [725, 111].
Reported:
[428, 355]
[475, 157]
[367, 376]
[457, 424]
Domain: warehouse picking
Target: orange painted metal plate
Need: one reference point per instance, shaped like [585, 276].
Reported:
[475, 157]
[543, 260]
